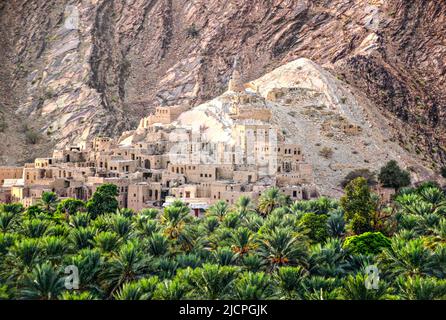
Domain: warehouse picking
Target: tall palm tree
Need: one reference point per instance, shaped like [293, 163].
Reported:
[49, 201]
[329, 259]
[243, 240]
[143, 289]
[282, 247]
[289, 281]
[106, 241]
[224, 256]
[213, 281]
[54, 247]
[82, 237]
[354, 288]
[421, 288]
[409, 258]
[271, 199]
[129, 264]
[321, 288]
[121, 225]
[253, 286]
[157, 244]
[44, 283]
[244, 206]
[7, 220]
[218, 209]
[434, 196]
[174, 219]
[175, 289]
[89, 263]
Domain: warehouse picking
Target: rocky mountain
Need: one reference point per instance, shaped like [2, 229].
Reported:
[337, 130]
[72, 69]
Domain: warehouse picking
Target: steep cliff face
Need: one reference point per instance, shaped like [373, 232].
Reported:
[73, 69]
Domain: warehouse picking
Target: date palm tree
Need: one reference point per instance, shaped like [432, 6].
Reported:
[192, 260]
[82, 237]
[329, 259]
[296, 208]
[224, 256]
[7, 221]
[49, 201]
[213, 281]
[22, 257]
[89, 263]
[210, 224]
[76, 295]
[438, 237]
[281, 247]
[288, 281]
[421, 288]
[35, 228]
[244, 206]
[43, 283]
[243, 241]
[157, 244]
[129, 264]
[175, 289]
[253, 286]
[408, 258]
[252, 262]
[54, 248]
[434, 196]
[142, 289]
[80, 219]
[174, 219]
[321, 288]
[354, 288]
[271, 199]
[336, 224]
[121, 225]
[219, 210]
[253, 222]
[106, 241]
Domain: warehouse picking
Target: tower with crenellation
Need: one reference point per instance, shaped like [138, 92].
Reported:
[236, 81]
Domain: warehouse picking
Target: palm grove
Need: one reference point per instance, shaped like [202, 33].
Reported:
[276, 249]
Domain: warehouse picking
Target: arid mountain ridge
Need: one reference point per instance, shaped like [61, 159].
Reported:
[64, 83]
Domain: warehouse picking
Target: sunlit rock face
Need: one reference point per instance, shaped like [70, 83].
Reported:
[312, 109]
[74, 69]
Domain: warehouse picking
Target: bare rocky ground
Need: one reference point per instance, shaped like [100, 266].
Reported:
[313, 115]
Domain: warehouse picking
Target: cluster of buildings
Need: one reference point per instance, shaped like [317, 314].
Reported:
[174, 155]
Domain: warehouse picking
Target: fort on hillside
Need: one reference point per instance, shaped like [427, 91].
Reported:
[174, 155]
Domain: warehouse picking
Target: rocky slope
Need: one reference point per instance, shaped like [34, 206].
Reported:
[75, 68]
[317, 111]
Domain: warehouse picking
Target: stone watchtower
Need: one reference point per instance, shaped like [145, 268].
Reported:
[236, 81]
